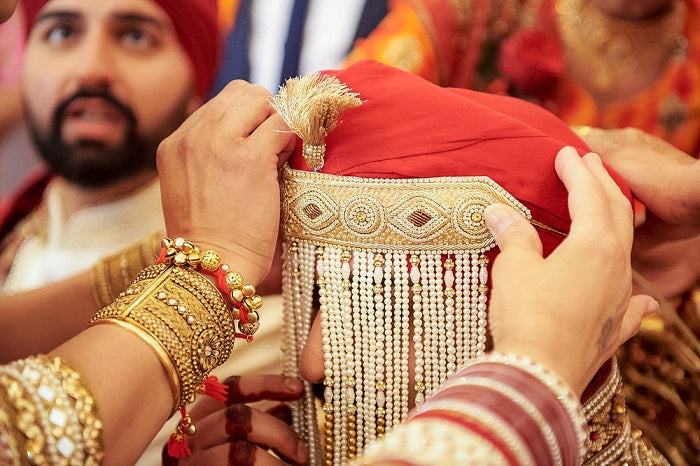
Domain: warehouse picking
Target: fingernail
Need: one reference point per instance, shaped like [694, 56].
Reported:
[293, 385]
[652, 307]
[568, 150]
[498, 218]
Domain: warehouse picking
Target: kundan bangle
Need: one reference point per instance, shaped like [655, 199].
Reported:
[48, 414]
[113, 274]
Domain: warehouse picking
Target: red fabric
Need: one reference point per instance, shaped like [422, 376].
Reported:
[410, 128]
[196, 24]
[23, 200]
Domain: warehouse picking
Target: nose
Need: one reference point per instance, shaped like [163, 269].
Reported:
[311, 363]
[95, 61]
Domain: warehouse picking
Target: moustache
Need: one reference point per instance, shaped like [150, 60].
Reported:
[62, 108]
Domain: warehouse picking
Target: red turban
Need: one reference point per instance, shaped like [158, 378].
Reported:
[196, 25]
[407, 127]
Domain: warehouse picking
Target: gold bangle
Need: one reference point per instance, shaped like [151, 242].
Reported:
[113, 274]
[183, 317]
[48, 413]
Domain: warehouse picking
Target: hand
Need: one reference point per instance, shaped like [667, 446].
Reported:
[571, 310]
[662, 177]
[666, 247]
[241, 435]
[219, 177]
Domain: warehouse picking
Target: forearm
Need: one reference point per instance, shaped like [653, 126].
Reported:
[39, 320]
[130, 385]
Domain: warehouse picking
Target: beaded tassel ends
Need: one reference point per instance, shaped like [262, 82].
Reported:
[311, 106]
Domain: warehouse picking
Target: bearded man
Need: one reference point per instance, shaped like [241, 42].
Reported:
[102, 84]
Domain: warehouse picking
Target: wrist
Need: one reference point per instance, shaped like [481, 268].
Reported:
[567, 371]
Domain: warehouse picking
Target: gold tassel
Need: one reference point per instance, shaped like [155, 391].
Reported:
[311, 106]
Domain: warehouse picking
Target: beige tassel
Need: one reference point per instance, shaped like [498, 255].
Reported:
[311, 106]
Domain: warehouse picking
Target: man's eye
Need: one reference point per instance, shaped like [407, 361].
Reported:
[137, 38]
[58, 35]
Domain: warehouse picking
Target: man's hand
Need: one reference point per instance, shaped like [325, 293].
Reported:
[571, 310]
[219, 177]
[666, 246]
[239, 434]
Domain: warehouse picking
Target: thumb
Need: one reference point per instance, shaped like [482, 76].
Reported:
[511, 229]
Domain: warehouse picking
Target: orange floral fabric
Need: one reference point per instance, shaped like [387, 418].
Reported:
[454, 43]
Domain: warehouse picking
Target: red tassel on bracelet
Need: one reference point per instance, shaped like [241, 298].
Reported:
[215, 389]
[177, 443]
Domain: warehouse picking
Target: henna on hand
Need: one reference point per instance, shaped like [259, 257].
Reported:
[241, 453]
[238, 420]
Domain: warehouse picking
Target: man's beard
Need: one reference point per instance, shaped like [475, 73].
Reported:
[95, 164]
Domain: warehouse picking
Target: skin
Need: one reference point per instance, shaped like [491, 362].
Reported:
[559, 296]
[121, 47]
[528, 311]
[244, 434]
[639, 74]
[7, 7]
[667, 244]
[632, 9]
[247, 143]
[595, 203]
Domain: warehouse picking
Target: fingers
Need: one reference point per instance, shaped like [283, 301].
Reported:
[639, 306]
[618, 203]
[249, 388]
[588, 204]
[511, 230]
[275, 135]
[246, 106]
[241, 422]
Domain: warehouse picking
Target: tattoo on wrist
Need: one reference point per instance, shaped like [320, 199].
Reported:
[605, 333]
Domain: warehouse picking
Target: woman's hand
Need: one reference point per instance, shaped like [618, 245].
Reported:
[219, 177]
[236, 433]
[571, 310]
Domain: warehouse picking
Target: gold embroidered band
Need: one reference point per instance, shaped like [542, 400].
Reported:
[400, 269]
[419, 214]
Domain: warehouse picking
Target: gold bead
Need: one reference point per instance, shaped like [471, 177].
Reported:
[236, 295]
[191, 429]
[249, 328]
[256, 302]
[210, 261]
[187, 247]
[179, 242]
[194, 258]
[180, 258]
[236, 313]
[234, 280]
[248, 290]
[253, 317]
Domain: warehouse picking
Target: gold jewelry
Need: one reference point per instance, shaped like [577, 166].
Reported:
[113, 274]
[48, 414]
[324, 99]
[614, 47]
[183, 317]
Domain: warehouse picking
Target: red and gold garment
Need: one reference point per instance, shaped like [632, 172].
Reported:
[517, 47]
[458, 44]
